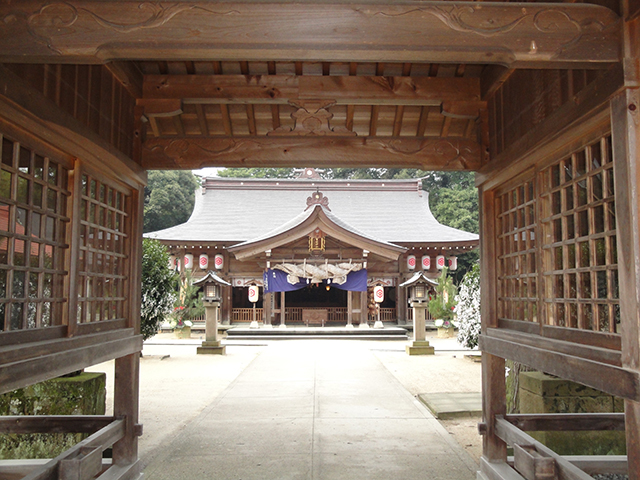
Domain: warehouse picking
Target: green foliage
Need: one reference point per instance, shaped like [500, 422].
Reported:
[441, 306]
[168, 198]
[158, 287]
[257, 173]
[189, 304]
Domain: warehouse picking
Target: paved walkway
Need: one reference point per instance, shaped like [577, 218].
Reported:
[316, 410]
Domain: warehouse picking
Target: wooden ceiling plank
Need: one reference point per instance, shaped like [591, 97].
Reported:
[373, 124]
[353, 68]
[446, 126]
[128, 75]
[177, 123]
[499, 33]
[202, 119]
[251, 117]
[350, 113]
[397, 121]
[493, 77]
[316, 151]
[422, 124]
[275, 117]
[226, 119]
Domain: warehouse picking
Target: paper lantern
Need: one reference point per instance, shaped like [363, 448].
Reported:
[440, 262]
[254, 293]
[453, 263]
[378, 293]
[204, 261]
[426, 262]
[188, 261]
[411, 262]
[218, 261]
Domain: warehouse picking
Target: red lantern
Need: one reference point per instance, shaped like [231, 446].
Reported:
[204, 261]
[426, 262]
[188, 261]
[254, 293]
[453, 263]
[440, 262]
[218, 261]
[411, 262]
[378, 293]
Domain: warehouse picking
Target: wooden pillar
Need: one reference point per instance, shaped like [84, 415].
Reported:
[127, 368]
[227, 304]
[493, 368]
[282, 310]
[401, 304]
[625, 123]
[349, 308]
[267, 298]
[364, 310]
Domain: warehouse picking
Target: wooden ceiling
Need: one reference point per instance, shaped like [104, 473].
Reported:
[328, 83]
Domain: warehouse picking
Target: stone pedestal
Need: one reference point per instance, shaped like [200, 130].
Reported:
[211, 344]
[211, 348]
[542, 393]
[420, 344]
[420, 347]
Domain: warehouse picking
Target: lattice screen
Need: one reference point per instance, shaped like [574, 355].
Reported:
[572, 270]
[33, 205]
[517, 282]
[103, 263]
[579, 225]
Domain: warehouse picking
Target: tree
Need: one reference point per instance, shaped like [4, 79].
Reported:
[189, 304]
[158, 287]
[257, 173]
[468, 308]
[441, 306]
[168, 198]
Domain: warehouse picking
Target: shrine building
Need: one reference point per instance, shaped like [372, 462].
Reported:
[316, 248]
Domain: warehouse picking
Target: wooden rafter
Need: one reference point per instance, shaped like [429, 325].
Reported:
[281, 89]
[513, 34]
[287, 151]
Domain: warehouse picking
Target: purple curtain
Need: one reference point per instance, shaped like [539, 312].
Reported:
[276, 281]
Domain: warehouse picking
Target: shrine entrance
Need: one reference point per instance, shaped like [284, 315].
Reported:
[539, 99]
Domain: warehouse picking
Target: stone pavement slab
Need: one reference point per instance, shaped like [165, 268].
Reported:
[453, 405]
[313, 410]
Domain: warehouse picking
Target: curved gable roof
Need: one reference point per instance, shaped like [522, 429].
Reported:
[236, 210]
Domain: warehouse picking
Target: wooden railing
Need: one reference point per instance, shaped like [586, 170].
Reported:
[242, 315]
[386, 315]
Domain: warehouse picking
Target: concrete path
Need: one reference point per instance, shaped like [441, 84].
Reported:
[316, 410]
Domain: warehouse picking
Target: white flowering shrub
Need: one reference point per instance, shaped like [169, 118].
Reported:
[468, 308]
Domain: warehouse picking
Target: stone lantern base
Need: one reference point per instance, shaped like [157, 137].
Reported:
[211, 348]
[420, 347]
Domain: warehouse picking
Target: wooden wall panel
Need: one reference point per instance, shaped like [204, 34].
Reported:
[91, 94]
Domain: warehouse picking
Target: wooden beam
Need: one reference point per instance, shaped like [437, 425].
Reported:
[27, 372]
[622, 382]
[514, 34]
[567, 421]
[54, 423]
[411, 152]
[128, 74]
[282, 89]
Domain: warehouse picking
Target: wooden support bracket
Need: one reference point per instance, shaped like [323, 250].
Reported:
[83, 466]
[532, 465]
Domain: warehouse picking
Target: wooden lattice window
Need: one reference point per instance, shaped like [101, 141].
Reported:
[103, 262]
[579, 241]
[33, 206]
[516, 248]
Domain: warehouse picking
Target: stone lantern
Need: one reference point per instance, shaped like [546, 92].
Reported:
[211, 285]
[419, 287]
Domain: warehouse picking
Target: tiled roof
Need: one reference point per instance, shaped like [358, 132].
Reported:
[238, 210]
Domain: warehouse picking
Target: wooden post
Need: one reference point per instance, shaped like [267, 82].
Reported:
[364, 310]
[127, 368]
[73, 234]
[227, 304]
[266, 311]
[282, 310]
[625, 123]
[493, 379]
[349, 309]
